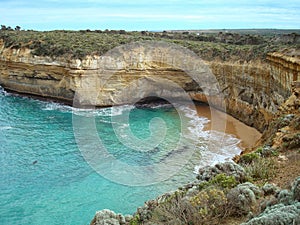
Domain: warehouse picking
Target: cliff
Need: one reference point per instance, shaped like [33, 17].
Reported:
[252, 91]
[263, 93]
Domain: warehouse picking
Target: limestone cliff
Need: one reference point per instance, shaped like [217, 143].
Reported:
[253, 90]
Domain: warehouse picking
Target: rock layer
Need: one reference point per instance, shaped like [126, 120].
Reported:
[251, 91]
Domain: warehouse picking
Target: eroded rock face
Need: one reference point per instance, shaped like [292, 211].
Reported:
[251, 91]
[284, 131]
[24, 73]
[120, 77]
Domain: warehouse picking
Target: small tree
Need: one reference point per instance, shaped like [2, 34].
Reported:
[17, 28]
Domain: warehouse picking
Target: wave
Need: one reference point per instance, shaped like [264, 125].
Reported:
[3, 92]
[53, 106]
[196, 123]
[215, 146]
[102, 112]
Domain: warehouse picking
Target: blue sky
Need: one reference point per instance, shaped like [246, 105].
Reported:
[150, 14]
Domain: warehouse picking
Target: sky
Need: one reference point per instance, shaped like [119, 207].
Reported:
[151, 15]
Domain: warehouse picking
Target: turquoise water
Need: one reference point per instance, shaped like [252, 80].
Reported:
[44, 178]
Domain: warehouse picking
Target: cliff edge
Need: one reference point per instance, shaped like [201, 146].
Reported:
[253, 88]
[258, 78]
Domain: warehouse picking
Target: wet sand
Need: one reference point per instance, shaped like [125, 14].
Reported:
[223, 122]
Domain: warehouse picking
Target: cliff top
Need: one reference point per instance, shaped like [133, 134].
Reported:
[220, 45]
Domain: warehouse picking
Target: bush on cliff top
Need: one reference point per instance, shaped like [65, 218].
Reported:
[279, 214]
[78, 44]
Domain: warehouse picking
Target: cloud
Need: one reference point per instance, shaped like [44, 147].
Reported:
[156, 14]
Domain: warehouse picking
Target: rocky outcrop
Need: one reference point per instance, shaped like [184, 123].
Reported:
[251, 91]
[108, 217]
[228, 168]
[98, 80]
[285, 69]
[284, 130]
[254, 91]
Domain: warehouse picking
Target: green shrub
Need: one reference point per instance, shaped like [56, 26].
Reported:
[85, 42]
[279, 214]
[291, 141]
[210, 203]
[220, 180]
[266, 151]
[224, 181]
[249, 158]
[259, 150]
[261, 169]
[135, 220]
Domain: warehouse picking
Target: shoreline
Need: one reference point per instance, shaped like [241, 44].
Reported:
[249, 136]
[223, 122]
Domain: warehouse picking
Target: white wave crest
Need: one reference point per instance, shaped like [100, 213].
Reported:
[103, 112]
[215, 146]
[3, 92]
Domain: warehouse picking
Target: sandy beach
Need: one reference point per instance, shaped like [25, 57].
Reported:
[223, 122]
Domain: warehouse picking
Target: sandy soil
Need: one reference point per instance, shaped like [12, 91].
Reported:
[288, 169]
[221, 121]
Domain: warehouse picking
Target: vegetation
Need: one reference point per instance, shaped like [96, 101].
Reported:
[259, 165]
[135, 220]
[212, 201]
[223, 196]
[175, 211]
[249, 158]
[211, 204]
[221, 180]
[284, 209]
[78, 44]
[218, 194]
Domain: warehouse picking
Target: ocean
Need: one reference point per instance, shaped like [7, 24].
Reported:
[49, 168]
